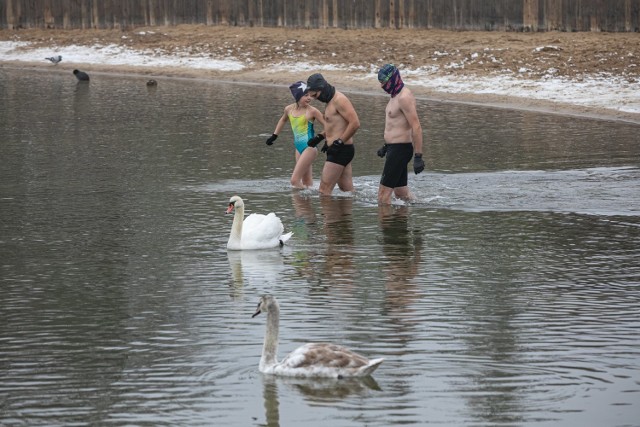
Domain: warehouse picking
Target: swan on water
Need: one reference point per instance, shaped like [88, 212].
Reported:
[256, 231]
[309, 360]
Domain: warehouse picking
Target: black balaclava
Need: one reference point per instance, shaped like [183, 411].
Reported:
[316, 82]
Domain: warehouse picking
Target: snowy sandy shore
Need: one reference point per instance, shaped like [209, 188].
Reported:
[608, 93]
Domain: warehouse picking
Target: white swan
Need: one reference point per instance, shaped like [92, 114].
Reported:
[310, 360]
[256, 231]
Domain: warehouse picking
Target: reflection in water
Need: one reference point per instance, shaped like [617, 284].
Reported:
[331, 390]
[257, 271]
[338, 227]
[315, 391]
[305, 218]
[402, 249]
[303, 208]
[271, 403]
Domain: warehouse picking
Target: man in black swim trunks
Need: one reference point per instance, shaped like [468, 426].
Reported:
[341, 123]
[402, 135]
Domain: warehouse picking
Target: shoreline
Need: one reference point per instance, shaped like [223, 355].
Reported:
[590, 75]
[345, 82]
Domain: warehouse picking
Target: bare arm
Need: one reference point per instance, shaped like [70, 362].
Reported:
[317, 117]
[346, 110]
[284, 119]
[408, 106]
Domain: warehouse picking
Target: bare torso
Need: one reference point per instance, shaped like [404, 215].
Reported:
[397, 128]
[335, 122]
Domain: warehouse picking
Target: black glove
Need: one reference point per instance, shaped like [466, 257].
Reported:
[382, 151]
[335, 146]
[418, 163]
[271, 139]
[324, 147]
[315, 140]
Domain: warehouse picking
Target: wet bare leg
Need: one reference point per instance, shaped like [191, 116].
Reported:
[403, 193]
[302, 176]
[345, 182]
[331, 173]
[384, 195]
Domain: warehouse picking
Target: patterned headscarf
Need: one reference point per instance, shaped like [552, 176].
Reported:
[298, 89]
[389, 76]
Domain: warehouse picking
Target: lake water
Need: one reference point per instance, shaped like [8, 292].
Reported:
[509, 295]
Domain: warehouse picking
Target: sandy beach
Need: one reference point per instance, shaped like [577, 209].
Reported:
[586, 74]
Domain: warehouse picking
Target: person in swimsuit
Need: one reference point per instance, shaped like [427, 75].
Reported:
[302, 116]
[341, 123]
[402, 135]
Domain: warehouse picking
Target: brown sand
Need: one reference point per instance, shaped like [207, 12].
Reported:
[573, 55]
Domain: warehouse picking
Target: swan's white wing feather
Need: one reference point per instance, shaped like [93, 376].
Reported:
[261, 231]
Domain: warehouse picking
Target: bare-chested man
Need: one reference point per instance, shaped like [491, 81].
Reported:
[341, 122]
[402, 135]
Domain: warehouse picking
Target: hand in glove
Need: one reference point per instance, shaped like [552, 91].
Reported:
[382, 151]
[315, 140]
[335, 146]
[271, 139]
[418, 163]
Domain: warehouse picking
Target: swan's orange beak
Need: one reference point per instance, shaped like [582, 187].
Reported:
[230, 208]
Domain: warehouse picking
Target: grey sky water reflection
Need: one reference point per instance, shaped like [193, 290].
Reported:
[507, 296]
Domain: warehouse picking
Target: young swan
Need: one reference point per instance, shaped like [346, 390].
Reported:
[310, 360]
[256, 231]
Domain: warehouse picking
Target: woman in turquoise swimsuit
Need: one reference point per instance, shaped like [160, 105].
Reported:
[302, 116]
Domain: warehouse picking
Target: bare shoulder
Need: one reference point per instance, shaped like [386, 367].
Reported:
[313, 110]
[406, 98]
[288, 108]
[342, 101]
[407, 94]
[314, 113]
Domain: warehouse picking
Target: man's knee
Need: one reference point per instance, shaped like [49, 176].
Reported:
[384, 194]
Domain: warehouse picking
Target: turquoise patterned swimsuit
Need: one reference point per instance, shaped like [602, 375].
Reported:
[302, 131]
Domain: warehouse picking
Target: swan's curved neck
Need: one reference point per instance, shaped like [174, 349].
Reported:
[270, 348]
[236, 227]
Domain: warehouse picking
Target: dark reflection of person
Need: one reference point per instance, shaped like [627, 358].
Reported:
[493, 333]
[402, 254]
[306, 218]
[338, 227]
[303, 208]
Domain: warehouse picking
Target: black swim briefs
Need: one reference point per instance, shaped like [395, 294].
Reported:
[341, 156]
[394, 174]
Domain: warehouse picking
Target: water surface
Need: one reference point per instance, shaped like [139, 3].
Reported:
[508, 295]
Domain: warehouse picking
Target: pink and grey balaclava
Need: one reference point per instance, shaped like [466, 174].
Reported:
[389, 77]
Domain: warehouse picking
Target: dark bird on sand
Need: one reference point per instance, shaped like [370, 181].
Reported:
[55, 59]
[81, 75]
[152, 83]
